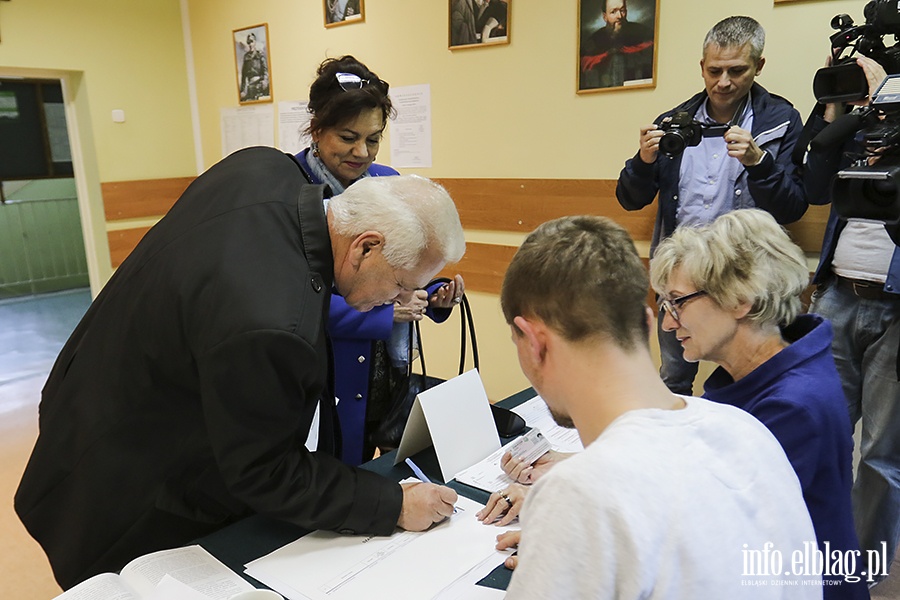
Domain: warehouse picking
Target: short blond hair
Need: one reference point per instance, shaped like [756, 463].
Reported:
[742, 257]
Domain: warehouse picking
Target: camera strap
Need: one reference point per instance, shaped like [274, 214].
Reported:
[799, 155]
[713, 129]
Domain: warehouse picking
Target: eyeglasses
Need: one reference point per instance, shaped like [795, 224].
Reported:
[672, 306]
[352, 81]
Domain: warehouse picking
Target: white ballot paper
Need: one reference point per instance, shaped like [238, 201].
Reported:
[437, 563]
[537, 415]
[456, 417]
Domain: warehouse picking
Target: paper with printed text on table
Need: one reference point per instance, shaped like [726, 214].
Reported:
[416, 565]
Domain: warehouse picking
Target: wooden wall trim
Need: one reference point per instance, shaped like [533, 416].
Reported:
[520, 205]
[484, 266]
[141, 198]
[509, 205]
[122, 242]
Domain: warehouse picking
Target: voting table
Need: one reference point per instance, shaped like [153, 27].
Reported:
[258, 535]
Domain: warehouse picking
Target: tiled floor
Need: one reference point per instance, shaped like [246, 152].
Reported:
[32, 331]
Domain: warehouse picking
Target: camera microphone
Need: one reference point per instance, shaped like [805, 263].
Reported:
[839, 130]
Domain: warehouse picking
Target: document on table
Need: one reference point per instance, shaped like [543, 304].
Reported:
[432, 564]
[488, 475]
[537, 415]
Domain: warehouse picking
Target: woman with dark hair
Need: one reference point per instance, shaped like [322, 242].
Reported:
[350, 107]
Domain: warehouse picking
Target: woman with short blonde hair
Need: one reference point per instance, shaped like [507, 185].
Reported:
[731, 293]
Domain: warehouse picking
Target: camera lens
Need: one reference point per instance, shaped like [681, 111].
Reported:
[672, 143]
[880, 193]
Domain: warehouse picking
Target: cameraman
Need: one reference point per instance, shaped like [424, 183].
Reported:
[750, 166]
[858, 289]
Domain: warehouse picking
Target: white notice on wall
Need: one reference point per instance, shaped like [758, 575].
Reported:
[411, 128]
[293, 118]
[247, 126]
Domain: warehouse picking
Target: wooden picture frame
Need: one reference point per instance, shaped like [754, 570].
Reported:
[343, 12]
[617, 46]
[478, 23]
[253, 65]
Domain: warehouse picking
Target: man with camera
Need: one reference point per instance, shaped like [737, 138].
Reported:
[726, 148]
[858, 290]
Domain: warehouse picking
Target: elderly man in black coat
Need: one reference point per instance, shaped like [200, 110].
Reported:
[187, 396]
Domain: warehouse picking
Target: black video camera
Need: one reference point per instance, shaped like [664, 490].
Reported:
[681, 131]
[870, 188]
[845, 81]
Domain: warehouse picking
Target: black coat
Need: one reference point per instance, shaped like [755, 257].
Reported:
[182, 401]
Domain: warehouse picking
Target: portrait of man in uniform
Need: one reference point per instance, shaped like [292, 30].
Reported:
[252, 62]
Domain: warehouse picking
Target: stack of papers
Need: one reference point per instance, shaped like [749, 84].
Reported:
[444, 562]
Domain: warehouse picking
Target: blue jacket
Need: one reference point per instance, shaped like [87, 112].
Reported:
[797, 395]
[821, 166]
[352, 334]
[773, 185]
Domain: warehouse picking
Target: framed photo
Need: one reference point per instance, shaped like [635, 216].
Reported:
[617, 44]
[252, 64]
[479, 23]
[341, 12]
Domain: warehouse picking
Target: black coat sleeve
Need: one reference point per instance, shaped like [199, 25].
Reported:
[258, 410]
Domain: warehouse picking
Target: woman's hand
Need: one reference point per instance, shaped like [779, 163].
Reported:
[410, 306]
[449, 294]
[526, 473]
[503, 507]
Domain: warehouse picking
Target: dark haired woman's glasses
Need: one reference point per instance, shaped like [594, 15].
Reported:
[351, 81]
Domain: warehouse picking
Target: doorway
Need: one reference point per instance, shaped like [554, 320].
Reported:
[41, 241]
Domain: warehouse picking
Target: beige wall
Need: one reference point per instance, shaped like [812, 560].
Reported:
[131, 55]
[504, 111]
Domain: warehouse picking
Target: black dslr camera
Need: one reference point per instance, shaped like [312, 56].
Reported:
[845, 81]
[681, 131]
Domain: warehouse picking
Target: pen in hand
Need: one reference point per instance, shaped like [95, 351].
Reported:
[423, 478]
[417, 471]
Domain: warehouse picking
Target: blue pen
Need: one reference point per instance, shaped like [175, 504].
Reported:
[417, 471]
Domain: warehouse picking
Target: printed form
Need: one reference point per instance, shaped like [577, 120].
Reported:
[437, 563]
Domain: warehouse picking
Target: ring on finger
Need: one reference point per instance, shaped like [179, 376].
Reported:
[509, 502]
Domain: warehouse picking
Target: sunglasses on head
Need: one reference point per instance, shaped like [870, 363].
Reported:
[351, 81]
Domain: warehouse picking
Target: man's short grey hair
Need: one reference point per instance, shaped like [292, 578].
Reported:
[734, 32]
[413, 214]
[743, 256]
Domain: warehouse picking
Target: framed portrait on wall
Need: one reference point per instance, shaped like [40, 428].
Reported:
[617, 44]
[341, 12]
[252, 64]
[478, 23]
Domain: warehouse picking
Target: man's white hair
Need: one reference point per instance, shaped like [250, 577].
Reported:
[414, 214]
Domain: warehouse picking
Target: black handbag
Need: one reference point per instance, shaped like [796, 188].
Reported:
[403, 395]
